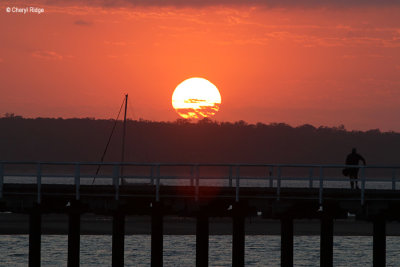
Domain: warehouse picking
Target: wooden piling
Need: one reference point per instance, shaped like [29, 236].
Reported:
[156, 235]
[379, 242]
[326, 239]
[202, 237]
[238, 235]
[286, 242]
[118, 239]
[74, 231]
[35, 231]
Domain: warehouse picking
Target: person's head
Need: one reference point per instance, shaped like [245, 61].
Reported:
[354, 150]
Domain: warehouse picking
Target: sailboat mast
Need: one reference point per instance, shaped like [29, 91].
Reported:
[124, 134]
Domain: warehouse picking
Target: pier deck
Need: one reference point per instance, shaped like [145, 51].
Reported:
[136, 199]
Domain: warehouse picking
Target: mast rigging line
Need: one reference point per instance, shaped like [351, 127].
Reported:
[109, 140]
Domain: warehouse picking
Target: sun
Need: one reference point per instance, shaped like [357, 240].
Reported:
[196, 98]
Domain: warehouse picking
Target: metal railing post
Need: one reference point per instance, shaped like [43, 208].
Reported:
[1, 180]
[237, 183]
[39, 182]
[191, 175]
[152, 174]
[197, 183]
[321, 184]
[230, 176]
[310, 183]
[77, 181]
[278, 184]
[158, 184]
[362, 185]
[116, 181]
[394, 179]
[271, 177]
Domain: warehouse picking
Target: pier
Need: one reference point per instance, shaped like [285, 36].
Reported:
[283, 193]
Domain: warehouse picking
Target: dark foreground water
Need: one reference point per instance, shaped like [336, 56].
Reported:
[180, 250]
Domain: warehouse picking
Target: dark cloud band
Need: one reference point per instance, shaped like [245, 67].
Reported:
[205, 3]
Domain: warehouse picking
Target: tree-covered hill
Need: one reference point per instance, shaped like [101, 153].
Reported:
[182, 141]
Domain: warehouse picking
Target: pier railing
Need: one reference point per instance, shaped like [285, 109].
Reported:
[118, 174]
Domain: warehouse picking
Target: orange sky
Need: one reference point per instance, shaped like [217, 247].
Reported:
[293, 63]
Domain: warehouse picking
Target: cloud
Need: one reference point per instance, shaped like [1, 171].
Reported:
[205, 3]
[198, 113]
[318, 36]
[192, 101]
[81, 22]
[117, 43]
[47, 55]
[209, 109]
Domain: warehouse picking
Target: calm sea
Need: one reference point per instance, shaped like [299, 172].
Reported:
[180, 250]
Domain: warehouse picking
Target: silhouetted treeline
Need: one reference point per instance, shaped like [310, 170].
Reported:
[182, 141]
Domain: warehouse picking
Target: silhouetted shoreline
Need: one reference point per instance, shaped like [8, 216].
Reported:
[45, 139]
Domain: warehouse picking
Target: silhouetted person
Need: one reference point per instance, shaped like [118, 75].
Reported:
[353, 159]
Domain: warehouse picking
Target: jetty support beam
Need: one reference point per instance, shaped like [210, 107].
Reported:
[118, 238]
[326, 236]
[202, 237]
[238, 235]
[74, 231]
[156, 235]
[35, 232]
[379, 242]
[286, 242]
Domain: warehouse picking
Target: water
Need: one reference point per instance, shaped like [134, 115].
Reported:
[181, 250]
